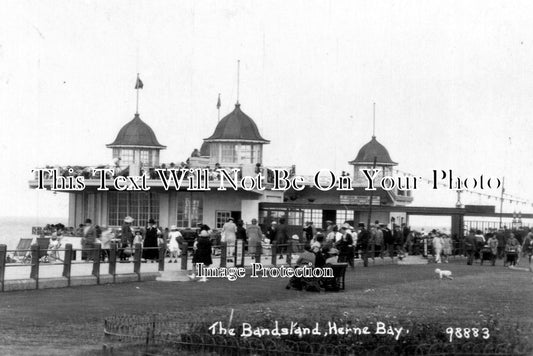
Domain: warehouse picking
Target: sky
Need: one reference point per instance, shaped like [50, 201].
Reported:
[452, 82]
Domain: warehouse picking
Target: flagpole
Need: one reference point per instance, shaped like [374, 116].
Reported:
[137, 109]
[374, 122]
[218, 106]
[238, 78]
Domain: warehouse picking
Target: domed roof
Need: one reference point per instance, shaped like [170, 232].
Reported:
[237, 127]
[371, 150]
[204, 150]
[136, 133]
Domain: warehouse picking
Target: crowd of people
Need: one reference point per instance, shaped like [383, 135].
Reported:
[494, 244]
[340, 243]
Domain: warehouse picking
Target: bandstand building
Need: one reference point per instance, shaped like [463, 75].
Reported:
[236, 142]
[312, 204]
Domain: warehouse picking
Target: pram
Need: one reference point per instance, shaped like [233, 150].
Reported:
[485, 254]
[511, 257]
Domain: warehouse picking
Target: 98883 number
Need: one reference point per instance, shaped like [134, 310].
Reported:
[467, 333]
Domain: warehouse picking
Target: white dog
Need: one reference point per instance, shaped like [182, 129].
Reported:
[444, 274]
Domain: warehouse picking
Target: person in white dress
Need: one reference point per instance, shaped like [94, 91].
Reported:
[173, 244]
[229, 231]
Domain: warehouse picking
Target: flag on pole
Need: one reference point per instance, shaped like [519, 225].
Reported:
[139, 84]
[218, 102]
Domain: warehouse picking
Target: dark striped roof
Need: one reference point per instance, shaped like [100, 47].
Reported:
[136, 133]
[373, 149]
[237, 126]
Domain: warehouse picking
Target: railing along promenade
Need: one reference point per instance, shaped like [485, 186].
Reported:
[105, 266]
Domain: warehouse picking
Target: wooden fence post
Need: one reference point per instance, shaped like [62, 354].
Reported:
[274, 250]
[34, 274]
[258, 250]
[137, 261]
[96, 261]
[3, 254]
[113, 260]
[162, 251]
[184, 255]
[67, 263]
[223, 254]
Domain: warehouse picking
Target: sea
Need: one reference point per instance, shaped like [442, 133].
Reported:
[12, 229]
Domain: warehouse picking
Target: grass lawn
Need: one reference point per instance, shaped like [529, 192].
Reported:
[70, 320]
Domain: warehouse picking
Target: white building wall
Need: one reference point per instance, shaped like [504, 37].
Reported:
[221, 201]
[249, 210]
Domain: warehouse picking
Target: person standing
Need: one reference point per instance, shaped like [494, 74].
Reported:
[229, 232]
[87, 242]
[282, 237]
[500, 235]
[527, 248]
[254, 235]
[173, 244]
[470, 247]
[308, 231]
[493, 245]
[150, 250]
[388, 240]
[202, 254]
[345, 246]
[446, 247]
[511, 248]
[480, 242]
[329, 227]
[437, 247]
[363, 237]
[126, 237]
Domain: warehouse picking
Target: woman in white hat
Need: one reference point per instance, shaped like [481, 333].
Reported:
[173, 244]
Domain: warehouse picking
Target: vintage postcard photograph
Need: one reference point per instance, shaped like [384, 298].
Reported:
[266, 178]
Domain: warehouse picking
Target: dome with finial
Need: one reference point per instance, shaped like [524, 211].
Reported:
[237, 127]
[136, 133]
[371, 150]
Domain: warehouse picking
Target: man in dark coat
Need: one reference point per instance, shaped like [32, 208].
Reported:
[363, 237]
[470, 247]
[150, 250]
[308, 231]
[88, 240]
[388, 240]
[282, 237]
[202, 254]
[345, 246]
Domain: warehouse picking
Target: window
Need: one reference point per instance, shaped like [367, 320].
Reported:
[313, 215]
[139, 205]
[295, 218]
[221, 217]
[266, 216]
[256, 152]
[127, 156]
[343, 216]
[190, 210]
[228, 153]
[145, 157]
[245, 154]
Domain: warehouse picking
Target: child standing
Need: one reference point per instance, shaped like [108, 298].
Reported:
[173, 244]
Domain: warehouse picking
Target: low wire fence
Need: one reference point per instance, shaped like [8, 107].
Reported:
[158, 336]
